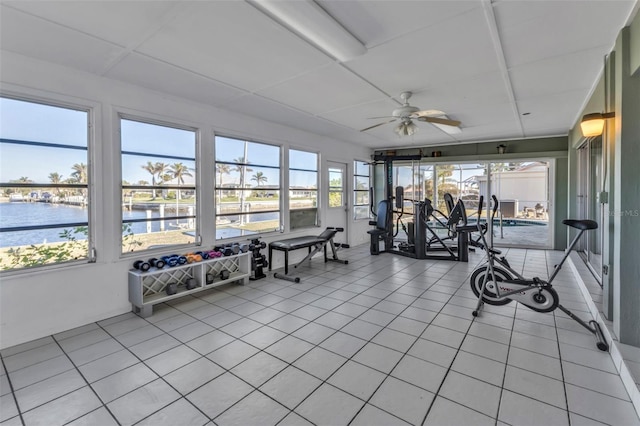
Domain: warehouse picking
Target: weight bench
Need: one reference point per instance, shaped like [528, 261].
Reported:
[314, 243]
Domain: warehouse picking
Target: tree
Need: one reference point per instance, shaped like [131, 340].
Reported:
[151, 168]
[259, 178]
[56, 179]
[179, 171]
[222, 169]
[79, 172]
[242, 168]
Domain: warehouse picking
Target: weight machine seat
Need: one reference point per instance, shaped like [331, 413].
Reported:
[582, 225]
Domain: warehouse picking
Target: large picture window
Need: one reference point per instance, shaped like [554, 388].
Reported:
[361, 185]
[158, 185]
[303, 189]
[247, 189]
[44, 179]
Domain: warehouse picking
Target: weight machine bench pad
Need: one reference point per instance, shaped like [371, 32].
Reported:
[315, 242]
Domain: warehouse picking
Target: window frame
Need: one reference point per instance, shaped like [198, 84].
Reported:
[316, 189]
[279, 188]
[145, 119]
[90, 109]
[357, 191]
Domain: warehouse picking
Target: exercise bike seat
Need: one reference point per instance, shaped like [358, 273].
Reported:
[583, 225]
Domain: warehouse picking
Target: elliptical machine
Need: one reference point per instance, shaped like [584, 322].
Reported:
[497, 283]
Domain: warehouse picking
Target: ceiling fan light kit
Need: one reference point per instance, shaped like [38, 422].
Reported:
[407, 113]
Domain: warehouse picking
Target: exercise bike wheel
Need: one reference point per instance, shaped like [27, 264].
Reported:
[489, 296]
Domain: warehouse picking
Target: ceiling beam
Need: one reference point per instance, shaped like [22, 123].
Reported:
[492, 25]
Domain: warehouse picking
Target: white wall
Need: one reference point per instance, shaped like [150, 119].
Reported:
[38, 303]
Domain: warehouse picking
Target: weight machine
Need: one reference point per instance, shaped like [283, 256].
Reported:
[422, 241]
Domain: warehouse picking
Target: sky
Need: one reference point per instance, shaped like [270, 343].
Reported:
[29, 121]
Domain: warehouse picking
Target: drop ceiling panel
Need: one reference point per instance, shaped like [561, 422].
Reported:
[307, 92]
[119, 22]
[357, 116]
[156, 75]
[266, 109]
[557, 111]
[235, 43]
[446, 51]
[375, 22]
[473, 92]
[560, 73]
[533, 30]
[30, 36]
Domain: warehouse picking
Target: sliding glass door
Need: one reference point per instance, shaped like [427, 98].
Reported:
[590, 182]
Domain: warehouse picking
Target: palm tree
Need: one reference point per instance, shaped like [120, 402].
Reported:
[56, 179]
[161, 169]
[242, 168]
[259, 178]
[179, 171]
[151, 168]
[222, 169]
[79, 172]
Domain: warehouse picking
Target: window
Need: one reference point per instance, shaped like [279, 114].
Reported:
[361, 185]
[44, 177]
[336, 187]
[247, 189]
[158, 185]
[303, 189]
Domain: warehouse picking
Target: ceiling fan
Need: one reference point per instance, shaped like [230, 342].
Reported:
[407, 113]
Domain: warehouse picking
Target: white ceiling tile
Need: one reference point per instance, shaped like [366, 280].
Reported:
[307, 92]
[233, 42]
[266, 109]
[446, 51]
[557, 74]
[115, 21]
[156, 75]
[31, 36]
[358, 117]
[533, 30]
[557, 111]
[374, 22]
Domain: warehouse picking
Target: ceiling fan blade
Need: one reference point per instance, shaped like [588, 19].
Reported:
[379, 124]
[437, 120]
[384, 116]
[429, 113]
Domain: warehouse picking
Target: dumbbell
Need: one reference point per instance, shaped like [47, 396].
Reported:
[235, 248]
[263, 244]
[157, 263]
[214, 254]
[193, 257]
[170, 260]
[141, 265]
[203, 254]
[224, 274]
[209, 278]
[182, 260]
[191, 284]
[227, 251]
[171, 288]
[244, 248]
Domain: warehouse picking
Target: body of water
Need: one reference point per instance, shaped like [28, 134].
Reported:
[28, 214]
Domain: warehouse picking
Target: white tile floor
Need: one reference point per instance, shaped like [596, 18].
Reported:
[384, 340]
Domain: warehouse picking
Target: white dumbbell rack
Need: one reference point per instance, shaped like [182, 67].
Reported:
[148, 288]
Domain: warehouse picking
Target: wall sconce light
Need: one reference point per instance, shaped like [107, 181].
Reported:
[593, 124]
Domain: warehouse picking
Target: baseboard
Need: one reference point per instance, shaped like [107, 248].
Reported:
[583, 275]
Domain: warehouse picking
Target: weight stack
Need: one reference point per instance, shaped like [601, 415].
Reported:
[258, 261]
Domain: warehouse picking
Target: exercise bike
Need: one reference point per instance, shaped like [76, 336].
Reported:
[497, 283]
